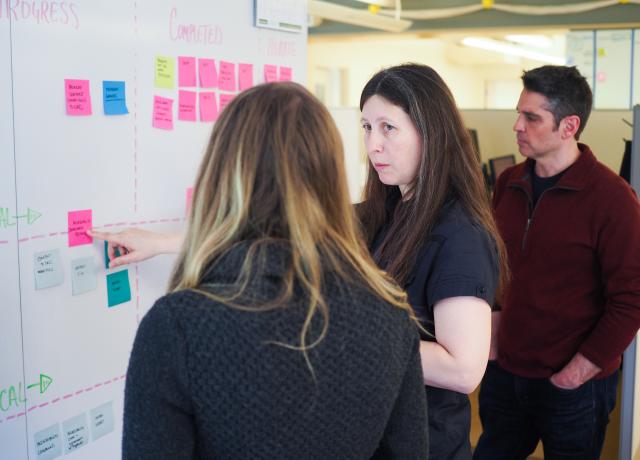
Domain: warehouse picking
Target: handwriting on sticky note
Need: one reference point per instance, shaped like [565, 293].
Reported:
[113, 98]
[78, 97]
[118, 289]
[162, 112]
[225, 99]
[165, 72]
[270, 73]
[83, 275]
[285, 73]
[186, 105]
[245, 76]
[208, 106]
[227, 76]
[78, 224]
[207, 72]
[47, 269]
[186, 71]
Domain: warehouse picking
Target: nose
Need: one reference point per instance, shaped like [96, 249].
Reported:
[519, 124]
[373, 142]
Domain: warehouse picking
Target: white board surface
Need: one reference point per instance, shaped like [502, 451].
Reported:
[64, 356]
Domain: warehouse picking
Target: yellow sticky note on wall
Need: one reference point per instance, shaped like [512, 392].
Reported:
[601, 52]
[165, 72]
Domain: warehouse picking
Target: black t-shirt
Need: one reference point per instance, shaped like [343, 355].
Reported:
[541, 184]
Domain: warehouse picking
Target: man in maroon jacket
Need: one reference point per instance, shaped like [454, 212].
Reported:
[572, 230]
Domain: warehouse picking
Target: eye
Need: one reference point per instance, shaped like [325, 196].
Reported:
[387, 127]
[366, 127]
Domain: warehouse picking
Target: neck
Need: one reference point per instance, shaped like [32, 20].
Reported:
[550, 165]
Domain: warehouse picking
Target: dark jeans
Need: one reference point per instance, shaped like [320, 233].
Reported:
[517, 412]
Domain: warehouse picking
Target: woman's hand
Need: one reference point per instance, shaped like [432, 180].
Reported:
[135, 245]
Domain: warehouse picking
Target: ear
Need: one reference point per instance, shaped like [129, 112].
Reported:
[569, 126]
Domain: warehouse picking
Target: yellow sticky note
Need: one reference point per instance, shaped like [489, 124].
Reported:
[601, 52]
[165, 72]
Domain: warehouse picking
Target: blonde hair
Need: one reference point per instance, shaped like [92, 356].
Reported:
[274, 172]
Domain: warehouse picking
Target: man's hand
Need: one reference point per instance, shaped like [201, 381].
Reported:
[575, 373]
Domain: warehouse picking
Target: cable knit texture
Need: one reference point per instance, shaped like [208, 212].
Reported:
[208, 381]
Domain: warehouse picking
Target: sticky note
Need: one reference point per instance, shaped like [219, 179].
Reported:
[165, 73]
[106, 254]
[208, 106]
[225, 99]
[113, 98]
[285, 73]
[118, 289]
[78, 96]
[78, 224]
[227, 76]
[76, 433]
[186, 105]
[48, 443]
[186, 71]
[162, 112]
[270, 73]
[101, 420]
[189, 198]
[83, 275]
[245, 76]
[47, 269]
[208, 74]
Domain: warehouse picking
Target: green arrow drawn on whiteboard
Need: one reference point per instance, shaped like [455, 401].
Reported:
[44, 383]
[31, 215]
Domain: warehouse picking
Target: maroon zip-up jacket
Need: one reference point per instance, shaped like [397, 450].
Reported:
[575, 268]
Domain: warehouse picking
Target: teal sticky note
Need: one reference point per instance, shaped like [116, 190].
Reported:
[101, 420]
[114, 98]
[106, 254]
[83, 275]
[76, 433]
[118, 289]
[48, 443]
[47, 269]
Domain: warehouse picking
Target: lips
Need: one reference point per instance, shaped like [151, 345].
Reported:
[379, 166]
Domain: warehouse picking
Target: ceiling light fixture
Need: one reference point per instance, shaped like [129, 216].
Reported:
[356, 17]
[538, 41]
[512, 50]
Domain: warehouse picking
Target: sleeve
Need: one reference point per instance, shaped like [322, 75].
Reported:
[466, 266]
[618, 249]
[158, 418]
[407, 433]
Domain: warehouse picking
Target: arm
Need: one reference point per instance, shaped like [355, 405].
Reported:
[495, 324]
[136, 245]
[575, 373]
[406, 435]
[158, 417]
[458, 359]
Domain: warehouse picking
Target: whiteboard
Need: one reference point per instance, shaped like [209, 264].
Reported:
[64, 356]
[636, 68]
[580, 52]
[613, 69]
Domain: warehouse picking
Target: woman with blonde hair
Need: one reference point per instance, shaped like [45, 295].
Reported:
[280, 337]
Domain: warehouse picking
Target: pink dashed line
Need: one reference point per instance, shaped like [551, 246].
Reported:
[134, 223]
[21, 414]
[79, 392]
[11, 417]
[164, 220]
[4, 242]
[97, 385]
[177, 219]
[153, 221]
[70, 395]
[64, 233]
[22, 240]
[120, 224]
[53, 234]
[32, 408]
[107, 382]
[142, 222]
[55, 400]
[108, 225]
[44, 404]
[122, 377]
[88, 389]
[38, 237]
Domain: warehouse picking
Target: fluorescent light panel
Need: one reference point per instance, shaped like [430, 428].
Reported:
[506, 48]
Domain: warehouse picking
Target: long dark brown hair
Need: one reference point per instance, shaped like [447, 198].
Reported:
[450, 168]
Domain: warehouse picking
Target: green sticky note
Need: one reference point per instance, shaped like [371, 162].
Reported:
[106, 254]
[118, 290]
[165, 72]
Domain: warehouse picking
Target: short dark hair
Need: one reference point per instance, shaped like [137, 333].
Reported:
[565, 88]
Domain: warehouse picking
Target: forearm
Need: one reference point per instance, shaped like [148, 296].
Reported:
[171, 243]
[441, 369]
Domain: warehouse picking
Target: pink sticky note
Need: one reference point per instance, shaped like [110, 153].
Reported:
[208, 106]
[186, 71]
[225, 99]
[189, 199]
[270, 73]
[208, 73]
[186, 105]
[285, 73]
[245, 76]
[78, 97]
[78, 224]
[162, 112]
[227, 76]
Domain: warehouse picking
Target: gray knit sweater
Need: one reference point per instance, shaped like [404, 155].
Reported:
[207, 381]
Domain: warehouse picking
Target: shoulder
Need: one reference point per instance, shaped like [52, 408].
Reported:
[455, 226]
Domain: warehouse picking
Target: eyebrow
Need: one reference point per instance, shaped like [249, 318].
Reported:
[378, 119]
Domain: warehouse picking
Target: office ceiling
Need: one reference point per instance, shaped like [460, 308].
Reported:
[609, 14]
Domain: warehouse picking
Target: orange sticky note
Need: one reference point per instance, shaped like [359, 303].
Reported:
[162, 112]
[227, 76]
[186, 105]
[78, 224]
[207, 72]
[270, 73]
[225, 99]
[208, 106]
[245, 76]
[78, 97]
[285, 73]
[186, 71]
